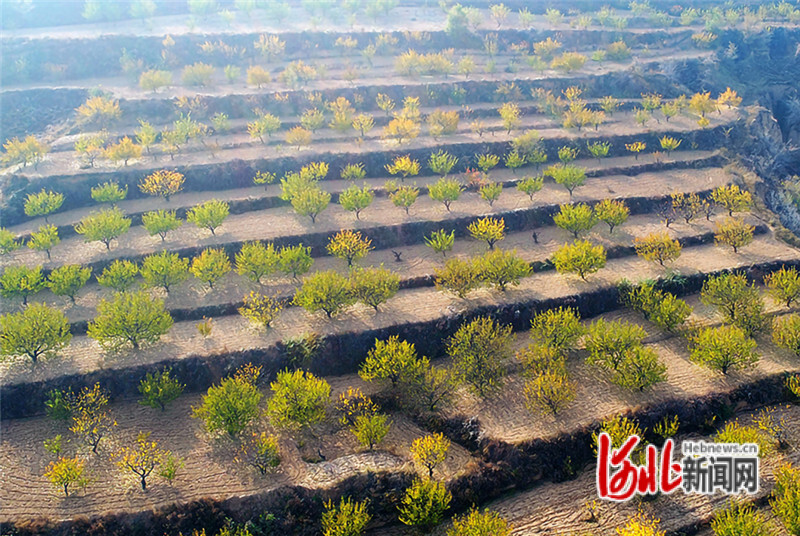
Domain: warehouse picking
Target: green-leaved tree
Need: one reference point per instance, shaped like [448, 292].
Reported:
[164, 270]
[326, 291]
[209, 215]
[129, 317]
[298, 400]
[103, 226]
[478, 350]
[231, 406]
[67, 280]
[35, 332]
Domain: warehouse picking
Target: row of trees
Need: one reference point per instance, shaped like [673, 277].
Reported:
[616, 348]
[329, 291]
[101, 111]
[299, 401]
[136, 317]
[576, 112]
[256, 260]
[302, 190]
[92, 424]
[107, 225]
[713, 18]
[478, 349]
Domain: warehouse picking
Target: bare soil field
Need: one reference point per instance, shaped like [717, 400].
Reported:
[210, 469]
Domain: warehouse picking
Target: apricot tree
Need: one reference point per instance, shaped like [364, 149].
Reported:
[575, 218]
[164, 270]
[733, 232]
[348, 518]
[209, 215]
[478, 349]
[458, 276]
[68, 279]
[424, 503]
[430, 451]
[261, 309]
[298, 400]
[129, 317]
[502, 268]
[723, 348]
[255, 260]
[21, 281]
[355, 199]
[393, 360]
[45, 239]
[489, 229]
[374, 286]
[349, 245]
[326, 291]
[160, 222]
[67, 473]
[210, 266]
[657, 247]
[613, 212]
[35, 332]
[580, 257]
[163, 183]
[784, 285]
[159, 389]
[231, 406]
[142, 458]
[119, 275]
[43, 203]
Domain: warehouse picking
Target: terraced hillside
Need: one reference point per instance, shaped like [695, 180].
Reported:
[432, 175]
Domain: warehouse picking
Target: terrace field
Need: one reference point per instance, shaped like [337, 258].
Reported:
[356, 175]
